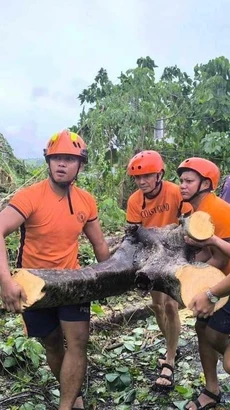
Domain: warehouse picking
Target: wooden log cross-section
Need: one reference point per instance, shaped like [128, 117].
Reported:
[151, 259]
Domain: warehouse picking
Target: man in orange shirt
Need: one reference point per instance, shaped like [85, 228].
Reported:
[157, 203]
[51, 215]
[198, 177]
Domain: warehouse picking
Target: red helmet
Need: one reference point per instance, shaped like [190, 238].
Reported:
[145, 162]
[67, 142]
[203, 167]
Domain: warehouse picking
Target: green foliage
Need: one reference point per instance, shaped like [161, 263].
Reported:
[123, 116]
[111, 216]
[32, 406]
[12, 243]
[18, 350]
[86, 255]
[119, 380]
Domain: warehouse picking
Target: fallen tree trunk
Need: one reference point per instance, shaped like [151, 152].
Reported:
[152, 259]
[47, 288]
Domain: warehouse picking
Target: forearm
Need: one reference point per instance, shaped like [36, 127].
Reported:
[101, 251]
[4, 266]
[222, 288]
[224, 246]
[204, 255]
[214, 255]
[217, 263]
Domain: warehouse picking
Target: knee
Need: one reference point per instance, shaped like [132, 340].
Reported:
[200, 327]
[77, 340]
[54, 341]
[158, 308]
[226, 363]
[171, 308]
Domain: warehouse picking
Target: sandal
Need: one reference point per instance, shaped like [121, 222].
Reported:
[165, 387]
[163, 357]
[78, 408]
[216, 397]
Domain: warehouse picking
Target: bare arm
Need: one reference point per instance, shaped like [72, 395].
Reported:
[218, 258]
[221, 244]
[94, 234]
[200, 305]
[214, 251]
[11, 293]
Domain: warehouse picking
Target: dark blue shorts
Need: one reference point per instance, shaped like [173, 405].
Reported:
[41, 322]
[220, 320]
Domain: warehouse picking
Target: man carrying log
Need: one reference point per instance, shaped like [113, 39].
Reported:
[51, 215]
[198, 177]
[157, 203]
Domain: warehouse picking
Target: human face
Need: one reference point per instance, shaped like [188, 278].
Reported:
[146, 182]
[189, 184]
[64, 167]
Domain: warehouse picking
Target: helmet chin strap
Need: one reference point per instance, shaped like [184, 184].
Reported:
[66, 185]
[151, 195]
[62, 185]
[198, 192]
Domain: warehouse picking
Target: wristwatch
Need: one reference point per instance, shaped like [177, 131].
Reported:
[212, 298]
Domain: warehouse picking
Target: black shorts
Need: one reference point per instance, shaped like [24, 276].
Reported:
[41, 322]
[220, 320]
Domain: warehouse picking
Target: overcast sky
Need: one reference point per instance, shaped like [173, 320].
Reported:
[51, 49]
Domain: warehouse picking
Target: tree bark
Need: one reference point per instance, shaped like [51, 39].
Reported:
[151, 259]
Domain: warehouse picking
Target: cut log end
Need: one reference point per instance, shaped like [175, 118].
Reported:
[197, 278]
[199, 226]
[32, 286]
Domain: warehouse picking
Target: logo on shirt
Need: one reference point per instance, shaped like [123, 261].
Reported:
[156, 210]
[81, 217]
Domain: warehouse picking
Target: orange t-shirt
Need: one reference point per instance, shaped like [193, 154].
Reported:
[219, 210]
[159, 211]
[49, 235]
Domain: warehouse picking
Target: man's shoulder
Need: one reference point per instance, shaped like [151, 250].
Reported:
[214, 201]
[217, 208]
[32, 189]
[80, 192]
[171, 185]
[221, 203]
[135, 196]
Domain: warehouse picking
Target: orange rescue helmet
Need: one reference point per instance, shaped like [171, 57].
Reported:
[204, 167]
[145, 162]
[66, 142]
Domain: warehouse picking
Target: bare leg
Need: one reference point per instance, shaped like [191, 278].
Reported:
[210, 343]
[158, 299]
[226, 361]
[166, 311]
[54, 345]
[74, 363]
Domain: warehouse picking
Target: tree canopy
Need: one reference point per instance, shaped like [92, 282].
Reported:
[121, 118]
